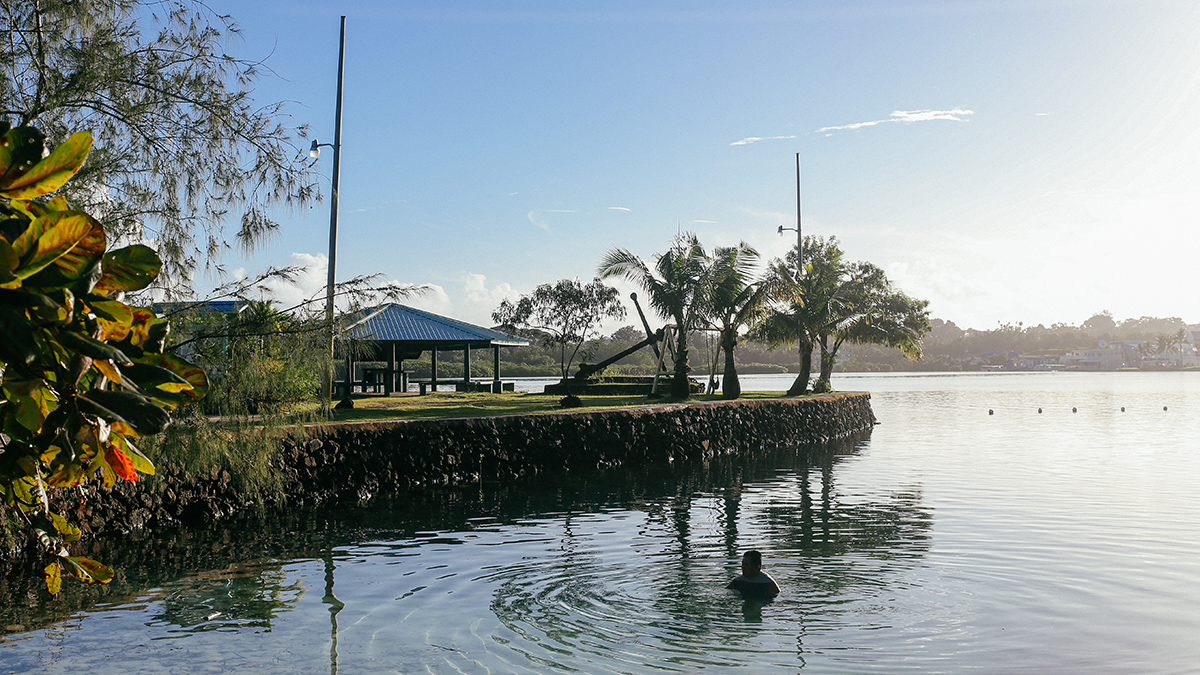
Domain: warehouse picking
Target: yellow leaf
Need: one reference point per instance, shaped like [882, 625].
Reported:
[52, 172]
[108, 368]
[53, 578]
[89, 571]
[140, 461]
[55, 235]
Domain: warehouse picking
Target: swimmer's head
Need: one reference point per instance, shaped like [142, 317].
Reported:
[751, 564]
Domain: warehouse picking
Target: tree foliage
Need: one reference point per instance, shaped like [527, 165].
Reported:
[677, 287]
[181, 146]
[84, 374]
[832, 302]
[735, 300]
[568, 314]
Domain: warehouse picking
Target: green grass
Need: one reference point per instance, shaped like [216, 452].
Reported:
[452, 405]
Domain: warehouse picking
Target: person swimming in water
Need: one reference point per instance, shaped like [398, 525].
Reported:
[752, 580]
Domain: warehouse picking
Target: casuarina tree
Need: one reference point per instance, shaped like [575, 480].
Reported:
[182, 149]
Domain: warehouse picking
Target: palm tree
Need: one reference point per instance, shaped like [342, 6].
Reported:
[677, 287]
[734, 302]
[835, 302]
[801, 305]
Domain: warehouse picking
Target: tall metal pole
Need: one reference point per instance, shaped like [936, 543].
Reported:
[799, 262]
[327, 394]
[799, 236]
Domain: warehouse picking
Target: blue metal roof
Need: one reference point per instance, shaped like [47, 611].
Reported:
[399, 323]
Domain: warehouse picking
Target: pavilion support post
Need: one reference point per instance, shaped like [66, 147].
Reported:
[496, 388]
[349, 374]
[467, 367]
[433, 370]
[389, 383]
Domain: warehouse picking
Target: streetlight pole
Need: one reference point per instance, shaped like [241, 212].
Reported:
[799, 255]
[797, 228]
[799, 236]
[327, 379]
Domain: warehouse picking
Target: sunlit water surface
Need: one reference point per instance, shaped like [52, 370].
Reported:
[967, 531]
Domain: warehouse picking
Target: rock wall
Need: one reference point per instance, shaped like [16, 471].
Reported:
[356, 461]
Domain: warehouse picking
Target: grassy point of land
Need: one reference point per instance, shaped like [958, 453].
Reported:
[452, 405]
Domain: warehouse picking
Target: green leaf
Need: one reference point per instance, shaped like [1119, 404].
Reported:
[191, 373]
[39, 306]
[145, 417]
[88, 571]
[56, 235]
[20, 150]
[129, 269]
[8, 263]
[115, 317]
[33, 400]
[50, 173]
[18, 341]
[158, 383]
[91, 347]
[68, 531]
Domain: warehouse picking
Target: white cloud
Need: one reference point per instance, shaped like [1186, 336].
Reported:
[710, 222]
[434, 300]
[754, 139]
[907, 117]
[619, 208]
[308, 283]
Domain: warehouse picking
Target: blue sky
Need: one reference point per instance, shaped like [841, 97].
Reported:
[1007, 160]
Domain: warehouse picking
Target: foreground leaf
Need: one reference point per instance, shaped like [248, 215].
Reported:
[129, 269]
[53, 578]
[52, 172]
[89, 571]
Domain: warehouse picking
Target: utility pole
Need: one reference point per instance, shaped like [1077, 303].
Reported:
[327, 384]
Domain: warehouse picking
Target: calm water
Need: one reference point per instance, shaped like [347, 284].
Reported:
[945, 540]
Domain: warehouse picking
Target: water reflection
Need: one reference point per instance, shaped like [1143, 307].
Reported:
[626, 567]
[237, 596]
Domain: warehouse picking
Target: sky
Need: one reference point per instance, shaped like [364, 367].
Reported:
[1008, 161]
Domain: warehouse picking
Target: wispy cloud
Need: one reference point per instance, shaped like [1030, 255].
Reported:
[907, 117]
[536, 217]
[711, 222]
[754, 139]
[619, 208]
[1041, 114]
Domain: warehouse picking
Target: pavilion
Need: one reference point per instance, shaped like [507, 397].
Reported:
[395, 333]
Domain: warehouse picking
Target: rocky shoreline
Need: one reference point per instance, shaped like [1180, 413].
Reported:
[357, 461]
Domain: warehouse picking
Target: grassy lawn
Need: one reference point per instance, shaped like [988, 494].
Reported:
[449, 405]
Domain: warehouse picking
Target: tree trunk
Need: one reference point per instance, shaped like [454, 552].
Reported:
[680, 387]
[828, 358]
[801, 383]
[730, 387]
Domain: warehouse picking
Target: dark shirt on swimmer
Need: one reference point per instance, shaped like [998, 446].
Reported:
[760, 584]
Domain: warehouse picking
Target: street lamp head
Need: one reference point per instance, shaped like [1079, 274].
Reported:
[314, 151]
[781, 230]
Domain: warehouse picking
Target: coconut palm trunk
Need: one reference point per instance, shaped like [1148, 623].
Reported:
[681, 387]
[731, 388]
[801, 384]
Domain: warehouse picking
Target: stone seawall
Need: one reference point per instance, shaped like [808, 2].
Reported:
[355, 461]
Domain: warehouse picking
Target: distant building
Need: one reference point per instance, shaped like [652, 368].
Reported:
[1107, 356]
